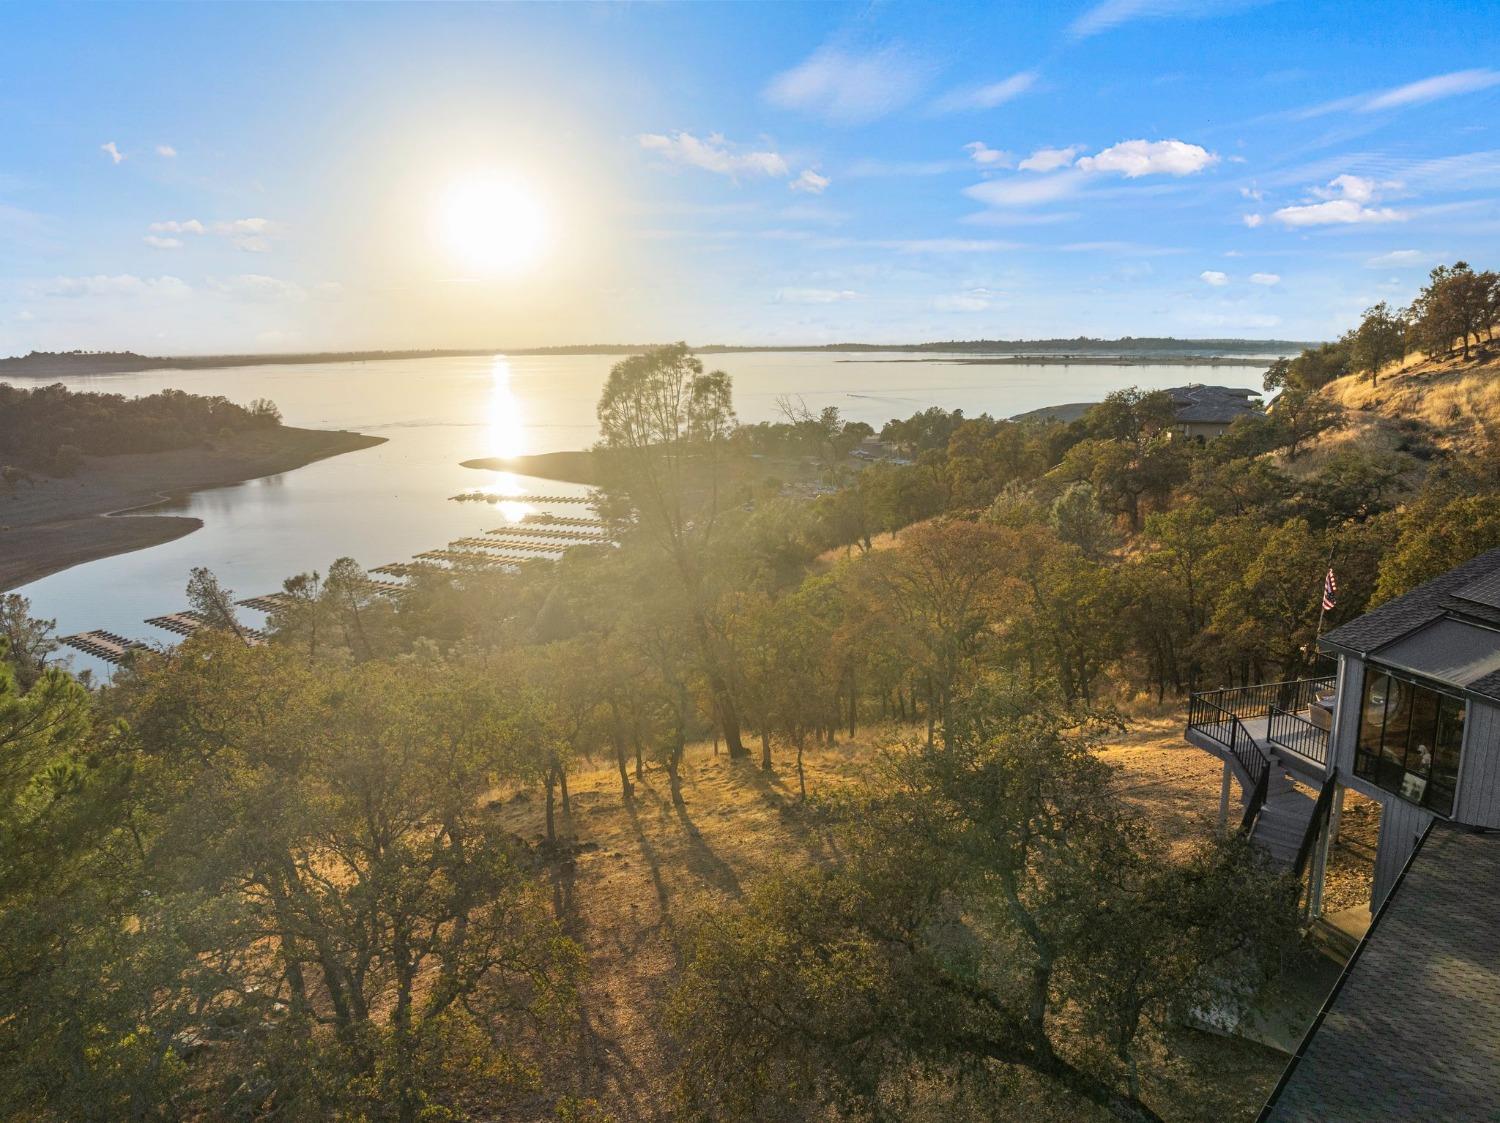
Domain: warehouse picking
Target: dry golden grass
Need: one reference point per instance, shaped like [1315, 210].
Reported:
[633, 873]
[1459, 400]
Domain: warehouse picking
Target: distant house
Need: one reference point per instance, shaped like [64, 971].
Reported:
[1203, 412]
[1206, 411]
[1411, 720]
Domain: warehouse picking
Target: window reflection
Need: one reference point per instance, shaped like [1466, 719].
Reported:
[1409, 740]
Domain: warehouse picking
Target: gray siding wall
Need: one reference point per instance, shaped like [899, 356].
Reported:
[1351, 685]
[1401, 824]
[1478, 798]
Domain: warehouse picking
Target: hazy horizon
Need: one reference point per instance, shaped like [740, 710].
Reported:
[235, 179]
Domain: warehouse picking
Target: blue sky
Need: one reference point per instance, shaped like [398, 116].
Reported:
[191, 178]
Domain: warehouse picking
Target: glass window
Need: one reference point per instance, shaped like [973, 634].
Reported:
[1447, 741]
[1409, 740]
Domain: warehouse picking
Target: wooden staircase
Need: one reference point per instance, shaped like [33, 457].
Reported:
[1282, 822]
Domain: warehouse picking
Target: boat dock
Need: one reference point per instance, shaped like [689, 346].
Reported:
[187, 622]
[109, 646]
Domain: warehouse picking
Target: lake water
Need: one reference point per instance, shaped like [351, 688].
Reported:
[390, 502]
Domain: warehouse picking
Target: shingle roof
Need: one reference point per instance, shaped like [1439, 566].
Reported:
[1213, 404]
[1413, 1029]
[1438, 598]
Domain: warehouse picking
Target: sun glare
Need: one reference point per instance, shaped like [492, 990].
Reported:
[493, 224]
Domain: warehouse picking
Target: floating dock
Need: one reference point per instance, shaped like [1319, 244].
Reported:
[562, 533]
[478, 496]
[187, 622]
[497, 544]
[268, 603]
[546, 519]
[109, 646]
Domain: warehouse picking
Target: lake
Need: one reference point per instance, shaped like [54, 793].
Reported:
[390, 502]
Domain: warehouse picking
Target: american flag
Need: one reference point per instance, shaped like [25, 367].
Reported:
[1330, 591]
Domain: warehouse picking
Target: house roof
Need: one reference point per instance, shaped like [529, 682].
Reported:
[1462, 595]
[1213, 404]
[1412, 1030]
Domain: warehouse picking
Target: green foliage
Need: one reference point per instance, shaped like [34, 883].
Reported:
[51, 428]
[992, 881]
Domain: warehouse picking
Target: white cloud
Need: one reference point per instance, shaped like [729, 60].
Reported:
[257, 286]
[811, 182]
[974, 300]
[1049, 159]
[815, 296]
[190, 226]
[1252, 220]
[1135, 158]
[1345, 198]
[989, 96]
[1254, 194]
[113, 150]
[166, 150]
[1355, 187]
[985, 156]
[1436, 88]
[946, 245]
[848, 88]
[162, 243]
[1027, 191]
[120, 284]
[1112, 13]
[1266, 279]
[251, 234]
[1214, 277]
[714, 154]
[1432, 89]
[1398, 259]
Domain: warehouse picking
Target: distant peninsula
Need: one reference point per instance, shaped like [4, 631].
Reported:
[1080, 349]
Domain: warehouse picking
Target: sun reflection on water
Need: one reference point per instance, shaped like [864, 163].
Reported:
[506, 438]
[507, 435]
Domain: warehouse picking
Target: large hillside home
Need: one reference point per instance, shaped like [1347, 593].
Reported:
[1205, 412]
[1411, 720]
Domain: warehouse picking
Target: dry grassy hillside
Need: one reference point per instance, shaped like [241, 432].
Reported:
[631, 874]
[1458, 400]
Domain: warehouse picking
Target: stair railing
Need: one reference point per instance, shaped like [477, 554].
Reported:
[1223, 725]
[1322, 809]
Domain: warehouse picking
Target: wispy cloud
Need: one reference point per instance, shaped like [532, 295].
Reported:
[973, 300]
[1214, 277]
[250, 234]
[166, 150]
[162, 243]
[1266, 279]
[850, 88]
[1049, 159]
[816, 296]
[112, 150]
[1436, 88]
[1027, 191]
[1112, 13]
[987, 157]
[1403, 259]
[1061, 175]
[880, 169]
[988, 96]
[119, 284]
[810, 182]
[714, 154]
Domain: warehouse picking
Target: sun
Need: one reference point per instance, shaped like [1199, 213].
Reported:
[494, 224]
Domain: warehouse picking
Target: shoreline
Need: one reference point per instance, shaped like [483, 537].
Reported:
[54, 524]
[85, 365]
[573, 467]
